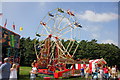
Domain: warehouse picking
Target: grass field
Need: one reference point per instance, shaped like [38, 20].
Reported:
[24, 75]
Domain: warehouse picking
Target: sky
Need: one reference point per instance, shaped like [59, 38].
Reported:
[99, 20]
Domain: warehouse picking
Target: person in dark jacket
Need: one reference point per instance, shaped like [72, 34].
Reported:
[5, 69]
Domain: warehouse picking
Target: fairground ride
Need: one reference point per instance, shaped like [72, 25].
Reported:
[57, 26]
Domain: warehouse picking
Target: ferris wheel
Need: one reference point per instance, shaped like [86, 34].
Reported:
[57, 25]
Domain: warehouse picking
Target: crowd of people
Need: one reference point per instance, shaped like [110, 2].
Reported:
[102, 72]
[8, 70]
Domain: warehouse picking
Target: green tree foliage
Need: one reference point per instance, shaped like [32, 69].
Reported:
[93, 50]
[27, 51]
[87, 49]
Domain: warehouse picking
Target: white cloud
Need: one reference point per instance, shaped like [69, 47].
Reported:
[93, 28]
[97, 17]
[94, 31]
[95, 35]
[109, 41]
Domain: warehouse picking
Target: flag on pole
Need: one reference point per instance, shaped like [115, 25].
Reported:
[1, 14]
[13, 26]
[5, 23]
[21, 28]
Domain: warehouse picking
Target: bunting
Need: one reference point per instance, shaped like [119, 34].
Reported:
[21, 28]
[1, 14]
[5, 23]
[13, 26]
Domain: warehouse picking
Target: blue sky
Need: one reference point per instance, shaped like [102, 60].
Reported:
[99, 19]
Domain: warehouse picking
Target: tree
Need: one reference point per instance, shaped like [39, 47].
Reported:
[27, 51]
[87, 49]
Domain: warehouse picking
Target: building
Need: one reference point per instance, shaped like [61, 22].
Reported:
[9, 44]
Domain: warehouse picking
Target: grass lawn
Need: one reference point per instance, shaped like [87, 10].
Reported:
[24, 75]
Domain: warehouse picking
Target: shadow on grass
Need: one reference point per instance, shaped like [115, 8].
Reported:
[27, 77]
[41, 77]
[24, 77]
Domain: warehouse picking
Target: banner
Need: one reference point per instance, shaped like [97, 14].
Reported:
[12, 43]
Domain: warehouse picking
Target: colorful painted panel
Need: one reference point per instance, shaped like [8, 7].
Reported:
[9, 38]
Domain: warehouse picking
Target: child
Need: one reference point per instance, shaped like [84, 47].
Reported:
[101, 73]
[82, 72]
[87, 70]
[33, 72]
[13, 72]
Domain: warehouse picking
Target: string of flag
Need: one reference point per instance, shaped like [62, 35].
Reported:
[5, 23]
[13, 26]
[21, 28]
[1, 14]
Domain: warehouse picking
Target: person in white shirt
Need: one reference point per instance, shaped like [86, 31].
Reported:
[13, 72]
[116, 71]
[101, 73]
[0, 72]
[33, 72]
[113, 71]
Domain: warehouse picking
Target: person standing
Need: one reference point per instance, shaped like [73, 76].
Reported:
[13, 73]
[35, 65]
[16, 62]
[101, 73]
[113, 71]
[116, 75]
[82, 72]
[87, 70]
[105, 70]
[0, 72]
[33, 72]
[5, 69]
